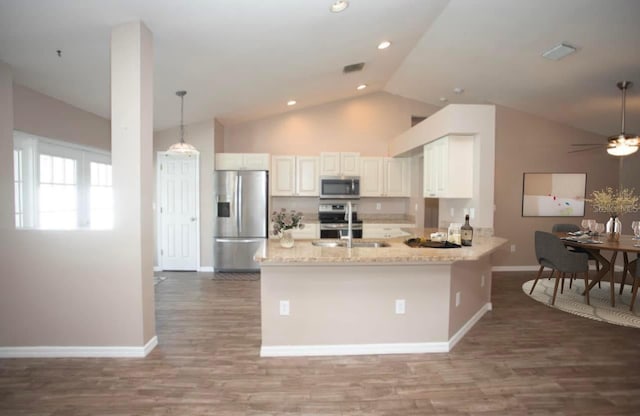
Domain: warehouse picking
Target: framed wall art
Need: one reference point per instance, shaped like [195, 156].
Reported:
[553, 194]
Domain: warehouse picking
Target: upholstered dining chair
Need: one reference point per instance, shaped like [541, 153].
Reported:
[572, 228]
[551, 253]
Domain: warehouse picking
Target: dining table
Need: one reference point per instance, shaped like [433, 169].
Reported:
[626, 245]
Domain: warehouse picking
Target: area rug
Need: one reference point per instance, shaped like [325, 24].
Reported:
[600, 309]
[158, 279]
[236, 276]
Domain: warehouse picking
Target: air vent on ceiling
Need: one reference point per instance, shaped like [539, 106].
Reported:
[353, 67]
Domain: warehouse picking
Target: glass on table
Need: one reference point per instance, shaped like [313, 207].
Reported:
[636, 229]
[584, 224]
[599, 229]
[592, 226]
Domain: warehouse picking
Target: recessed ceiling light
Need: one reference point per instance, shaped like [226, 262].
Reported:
[339, 6]
[443, 99]
[559, 51]
[361, 87]
[291, 102]
[384, 44]
[458, 90]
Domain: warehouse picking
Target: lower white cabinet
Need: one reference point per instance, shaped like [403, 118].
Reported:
[372, 230]
[385, 176]
[309, 232]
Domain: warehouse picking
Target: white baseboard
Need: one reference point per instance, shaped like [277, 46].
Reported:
[469, 324]
[205, 269]
[374, 349]
[353, 349]
[68, 352]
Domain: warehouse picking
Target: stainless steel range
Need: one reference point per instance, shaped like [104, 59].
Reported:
[334, 221]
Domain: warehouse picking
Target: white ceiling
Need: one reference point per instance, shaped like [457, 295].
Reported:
[243, 59]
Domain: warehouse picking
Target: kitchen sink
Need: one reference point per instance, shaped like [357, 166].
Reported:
[373, 244]
[355, 244]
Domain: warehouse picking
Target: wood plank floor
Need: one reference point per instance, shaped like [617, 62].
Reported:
[522, 358]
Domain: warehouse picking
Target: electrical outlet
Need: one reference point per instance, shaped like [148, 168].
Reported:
[378, 206]
[472, 213]
[452, 212]
[482, 281]
[284, 308]
[513, 248]
[400, 306]
[416, 207]
[457, 299]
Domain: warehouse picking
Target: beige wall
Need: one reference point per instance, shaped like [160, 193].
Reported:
[526, 143]
[83, 288]
[466, 278]
[364, 124]
[45, 116]
[202, 136]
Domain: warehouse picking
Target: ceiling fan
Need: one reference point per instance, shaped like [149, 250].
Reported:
[621, 144]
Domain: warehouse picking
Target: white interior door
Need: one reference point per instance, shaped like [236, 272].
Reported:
[179, 213]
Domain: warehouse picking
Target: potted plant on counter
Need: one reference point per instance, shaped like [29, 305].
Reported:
[283, 223]
[615, 203]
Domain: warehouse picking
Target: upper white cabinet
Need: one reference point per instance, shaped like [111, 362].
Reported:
[295, 176]
[448, 167]
[385, 176]
[242, 161]
[339, 164]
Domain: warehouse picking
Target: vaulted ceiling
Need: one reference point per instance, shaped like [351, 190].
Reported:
[244, 59]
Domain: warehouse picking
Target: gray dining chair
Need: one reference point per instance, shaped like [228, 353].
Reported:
[572, 228]
[551, 253]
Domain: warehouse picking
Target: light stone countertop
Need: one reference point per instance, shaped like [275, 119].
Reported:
[303, 252]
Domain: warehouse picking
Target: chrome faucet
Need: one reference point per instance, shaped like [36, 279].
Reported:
[348, 216]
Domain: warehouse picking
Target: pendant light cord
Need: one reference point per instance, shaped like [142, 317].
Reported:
[182, 119]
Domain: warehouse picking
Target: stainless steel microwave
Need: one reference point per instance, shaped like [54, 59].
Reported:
[339, 187]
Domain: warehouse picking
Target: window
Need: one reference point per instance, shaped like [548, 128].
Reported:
[18, 186]
[58, 193]
[100, 196]
[61, 185]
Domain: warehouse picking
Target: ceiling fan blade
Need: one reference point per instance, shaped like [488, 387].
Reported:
[582, 150]
[589, 144]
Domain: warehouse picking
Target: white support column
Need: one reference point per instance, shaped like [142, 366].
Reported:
[132, 158]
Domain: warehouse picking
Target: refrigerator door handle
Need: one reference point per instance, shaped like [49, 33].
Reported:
[239, 204]
[238, 240]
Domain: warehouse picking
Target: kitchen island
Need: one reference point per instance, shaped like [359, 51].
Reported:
[395, 299]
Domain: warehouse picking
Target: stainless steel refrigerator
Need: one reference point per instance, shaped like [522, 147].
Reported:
[241, 219]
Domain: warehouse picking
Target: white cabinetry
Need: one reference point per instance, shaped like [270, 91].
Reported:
[294, 176]
[339, 164]
[384, 230]
[242, 161]
[448, 167]
[385, 176]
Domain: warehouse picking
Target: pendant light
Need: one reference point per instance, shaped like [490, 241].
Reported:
[182, 148]
[623, 144]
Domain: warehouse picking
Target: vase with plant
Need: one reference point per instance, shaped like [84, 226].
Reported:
[615, 202]
[283, 223]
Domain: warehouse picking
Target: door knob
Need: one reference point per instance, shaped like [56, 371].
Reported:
[193, 219]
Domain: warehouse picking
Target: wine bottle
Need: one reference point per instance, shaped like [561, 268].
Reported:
[466, 232]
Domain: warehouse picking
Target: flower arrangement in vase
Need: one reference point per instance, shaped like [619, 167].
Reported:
[615, 202]
[283, 223]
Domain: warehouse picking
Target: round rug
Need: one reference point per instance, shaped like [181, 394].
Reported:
[600, 307]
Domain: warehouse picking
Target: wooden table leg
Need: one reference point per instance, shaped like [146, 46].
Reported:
[606, 265]
[624, 272]
[612, 265]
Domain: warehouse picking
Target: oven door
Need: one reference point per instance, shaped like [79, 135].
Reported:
[347, 187]
[336, 231]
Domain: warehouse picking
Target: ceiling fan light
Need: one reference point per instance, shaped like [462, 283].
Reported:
[621, 149]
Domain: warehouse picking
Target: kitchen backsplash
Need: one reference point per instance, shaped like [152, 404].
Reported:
[366, 206]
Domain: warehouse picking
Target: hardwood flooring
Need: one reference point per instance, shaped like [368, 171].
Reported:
[522, 358]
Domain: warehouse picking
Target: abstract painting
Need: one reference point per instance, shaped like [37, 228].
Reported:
[553, 194]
